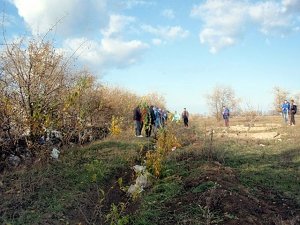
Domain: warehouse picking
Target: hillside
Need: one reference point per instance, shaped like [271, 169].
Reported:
[216, 176]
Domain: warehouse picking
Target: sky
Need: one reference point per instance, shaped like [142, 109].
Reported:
[181, 49]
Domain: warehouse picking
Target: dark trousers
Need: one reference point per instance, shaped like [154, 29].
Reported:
[148, 129]
[186, 121]
[226, 122]
[293, 122]
[138, 127]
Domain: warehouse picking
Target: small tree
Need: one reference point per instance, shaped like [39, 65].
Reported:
[34, 77]
[297, 98]
[280, 95]
[221, 96]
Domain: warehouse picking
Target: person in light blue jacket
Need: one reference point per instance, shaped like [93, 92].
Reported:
[176, 117]
[285, 107]
[157, 114]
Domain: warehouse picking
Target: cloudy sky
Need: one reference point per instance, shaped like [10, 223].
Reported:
[181, 49]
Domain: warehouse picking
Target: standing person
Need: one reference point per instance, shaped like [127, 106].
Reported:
[137, 117]
[157, 118]
[152, 116]
[164, 117]
[185, 117]
[293, 109]
[285, 107]
[176, 117]
[226, 115]
[148, 120]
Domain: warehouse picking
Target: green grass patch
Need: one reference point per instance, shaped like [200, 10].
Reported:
[153, 203]
[47, 192]
[275, 166]
[204, 187]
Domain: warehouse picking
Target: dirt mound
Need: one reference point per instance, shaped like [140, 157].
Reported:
[219, 196]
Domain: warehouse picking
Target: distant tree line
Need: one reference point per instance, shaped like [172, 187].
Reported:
[225, 96]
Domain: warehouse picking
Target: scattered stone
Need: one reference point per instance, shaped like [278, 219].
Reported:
[14, 160]
[55, 153]
[142, 181]
[134, 189]
[139, 169]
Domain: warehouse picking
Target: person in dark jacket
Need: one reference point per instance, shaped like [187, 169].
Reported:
[185, 117]
[137, 117]
[293, 110]
[150, 121]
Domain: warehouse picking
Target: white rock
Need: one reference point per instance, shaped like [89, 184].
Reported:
[142, 181]
[55, 153]
[134, 189]
[139, 169]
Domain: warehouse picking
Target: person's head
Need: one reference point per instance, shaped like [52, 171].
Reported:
[285, 101]
[184, 109]
[292, 101]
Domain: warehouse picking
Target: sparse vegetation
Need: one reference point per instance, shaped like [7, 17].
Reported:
[240, 180]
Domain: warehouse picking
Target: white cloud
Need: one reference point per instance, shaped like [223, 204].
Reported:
[167, 33]
[168, 13]
[103, 44]
[156, 41]
[270, 17]
[108, 53]
[224, 22]
[116, 25]
[216, 39]
[74, 16]
[291, 5]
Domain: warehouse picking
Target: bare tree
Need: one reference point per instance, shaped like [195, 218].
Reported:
[280, 95]
[155, 99]
[221, 96]
[34, 75]
[297, 98]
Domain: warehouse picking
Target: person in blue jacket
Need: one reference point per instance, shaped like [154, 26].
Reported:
[226, 115]
[285, 108]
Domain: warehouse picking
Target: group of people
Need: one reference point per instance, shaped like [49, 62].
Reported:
[289, 109]
[151, 118]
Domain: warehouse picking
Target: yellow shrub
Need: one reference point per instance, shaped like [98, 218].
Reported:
[154, 162]
[116, 124]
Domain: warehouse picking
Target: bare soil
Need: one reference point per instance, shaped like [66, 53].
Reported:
[233, 201]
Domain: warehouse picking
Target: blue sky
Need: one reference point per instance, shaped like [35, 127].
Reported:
[180, 49]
